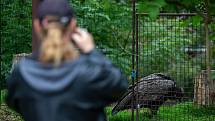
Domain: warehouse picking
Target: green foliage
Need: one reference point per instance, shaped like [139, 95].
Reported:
[2, 96]
[152, 7]
[15, 32]
[110, 24]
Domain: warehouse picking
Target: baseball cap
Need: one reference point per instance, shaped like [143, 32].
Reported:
[59, 8]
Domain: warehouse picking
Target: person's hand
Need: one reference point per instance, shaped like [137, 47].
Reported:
[83, 40]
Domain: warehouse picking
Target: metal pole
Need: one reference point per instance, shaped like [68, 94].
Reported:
[137, 70]
[208, 52]
[133, 57]
[208, 56]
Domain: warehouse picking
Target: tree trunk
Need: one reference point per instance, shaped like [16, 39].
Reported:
[203, 94]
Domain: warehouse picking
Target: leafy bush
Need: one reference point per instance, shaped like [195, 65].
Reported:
[15, 32]
[111, 28]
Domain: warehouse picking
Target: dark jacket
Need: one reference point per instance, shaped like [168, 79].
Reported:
[74, 91]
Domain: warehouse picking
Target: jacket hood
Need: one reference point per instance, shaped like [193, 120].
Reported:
[46, 77]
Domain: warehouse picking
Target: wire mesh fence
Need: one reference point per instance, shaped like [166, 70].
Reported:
[170, 63]
[172, 51]
[168, 46]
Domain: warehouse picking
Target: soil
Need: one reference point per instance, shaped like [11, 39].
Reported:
[8, 115]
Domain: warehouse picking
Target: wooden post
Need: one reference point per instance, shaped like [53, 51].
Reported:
[203, 95]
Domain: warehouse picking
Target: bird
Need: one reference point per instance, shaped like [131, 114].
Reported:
[149, 92]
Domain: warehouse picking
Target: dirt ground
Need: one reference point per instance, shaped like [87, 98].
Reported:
[8, 115]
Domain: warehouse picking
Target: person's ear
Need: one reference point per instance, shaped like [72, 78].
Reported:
[37, 28]
[73, 25]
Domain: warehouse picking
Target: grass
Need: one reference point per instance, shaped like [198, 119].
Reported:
[181, 112]
[2, 95]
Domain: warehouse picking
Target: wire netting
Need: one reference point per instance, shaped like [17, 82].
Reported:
[173, 46]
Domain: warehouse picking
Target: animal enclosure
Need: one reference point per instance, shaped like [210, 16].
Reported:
[174, 46]
[169, 58]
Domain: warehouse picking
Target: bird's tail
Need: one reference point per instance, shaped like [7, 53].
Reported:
[180, 94]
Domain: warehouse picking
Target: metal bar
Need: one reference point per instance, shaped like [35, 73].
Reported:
[208, 52]
[133, 52]
[208, 56]
[137, 70]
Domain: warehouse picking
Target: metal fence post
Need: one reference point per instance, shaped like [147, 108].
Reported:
[133, 52]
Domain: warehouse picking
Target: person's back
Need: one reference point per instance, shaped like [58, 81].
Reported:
[63, 85]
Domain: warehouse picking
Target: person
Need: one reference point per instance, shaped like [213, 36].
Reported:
[67, 79]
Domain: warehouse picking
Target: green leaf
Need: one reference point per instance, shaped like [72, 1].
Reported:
[196, 20]
[104, 16]
[106, 4]
[212, 37]
[153, 12]
[151, 7]
[160, 3]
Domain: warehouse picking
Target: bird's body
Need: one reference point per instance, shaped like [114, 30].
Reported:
[150, 92]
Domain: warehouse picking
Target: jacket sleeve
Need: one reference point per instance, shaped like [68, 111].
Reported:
[102, 77]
